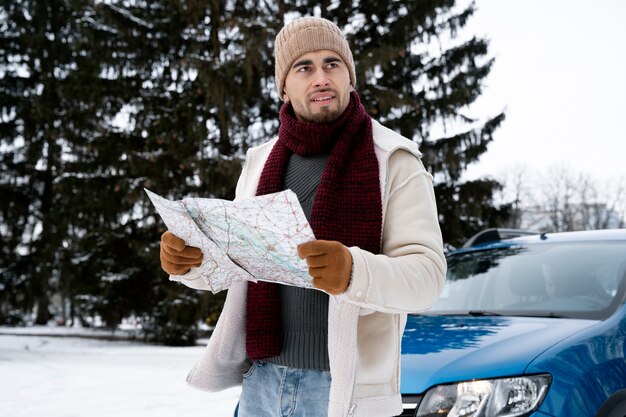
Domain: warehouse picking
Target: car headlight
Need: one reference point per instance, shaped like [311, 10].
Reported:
[504, 397]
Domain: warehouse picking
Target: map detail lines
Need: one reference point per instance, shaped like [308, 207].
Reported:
[254, 239]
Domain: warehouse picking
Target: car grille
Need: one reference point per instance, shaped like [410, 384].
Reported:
[410, 404]
[407, 412]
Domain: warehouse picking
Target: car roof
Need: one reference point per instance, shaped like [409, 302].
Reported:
[604, 235]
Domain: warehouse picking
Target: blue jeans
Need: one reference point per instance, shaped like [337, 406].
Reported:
[278, 391]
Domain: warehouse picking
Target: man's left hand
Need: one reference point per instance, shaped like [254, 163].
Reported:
[330, 264]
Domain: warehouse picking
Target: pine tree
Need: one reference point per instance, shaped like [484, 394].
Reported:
[67, 166]
[101, 99]
[197, 77]
[46, 74]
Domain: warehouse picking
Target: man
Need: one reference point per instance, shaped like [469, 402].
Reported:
[379, 252]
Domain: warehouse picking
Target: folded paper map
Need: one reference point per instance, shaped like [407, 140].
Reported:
[255, 239]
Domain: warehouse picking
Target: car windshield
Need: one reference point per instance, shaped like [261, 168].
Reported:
[581, 280]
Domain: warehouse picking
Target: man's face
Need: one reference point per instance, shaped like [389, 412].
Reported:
[318, 87]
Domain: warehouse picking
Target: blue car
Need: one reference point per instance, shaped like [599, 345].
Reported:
[533, 325]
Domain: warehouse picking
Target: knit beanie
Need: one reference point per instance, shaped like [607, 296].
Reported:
[304, 35]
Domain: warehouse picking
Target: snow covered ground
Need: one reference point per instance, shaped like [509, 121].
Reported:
[84, 377]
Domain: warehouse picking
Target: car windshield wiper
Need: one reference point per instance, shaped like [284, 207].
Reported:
[482, 313]
[550, 314]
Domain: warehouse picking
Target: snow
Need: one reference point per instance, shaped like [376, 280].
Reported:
[130, 16]
[48, 375]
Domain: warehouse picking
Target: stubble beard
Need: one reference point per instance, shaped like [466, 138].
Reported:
[326, 115]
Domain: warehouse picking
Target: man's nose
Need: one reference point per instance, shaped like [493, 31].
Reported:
[321, 79]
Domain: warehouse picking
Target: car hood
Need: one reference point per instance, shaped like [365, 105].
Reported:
[444, 349]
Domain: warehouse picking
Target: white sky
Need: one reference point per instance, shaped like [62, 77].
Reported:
[560, 73]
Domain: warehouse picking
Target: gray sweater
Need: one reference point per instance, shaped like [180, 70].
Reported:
[304, 311]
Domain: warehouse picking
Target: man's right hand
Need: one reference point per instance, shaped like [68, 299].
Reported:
[176, 257]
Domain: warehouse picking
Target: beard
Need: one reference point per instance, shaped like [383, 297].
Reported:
[326, 115]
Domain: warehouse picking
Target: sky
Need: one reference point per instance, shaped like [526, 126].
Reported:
[560, 76]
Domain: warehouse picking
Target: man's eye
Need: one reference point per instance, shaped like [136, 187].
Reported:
[332, 65]
[303, 69]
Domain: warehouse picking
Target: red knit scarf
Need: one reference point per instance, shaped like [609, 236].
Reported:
[347, 205]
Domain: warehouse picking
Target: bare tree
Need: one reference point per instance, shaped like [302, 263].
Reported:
[562, 199]
[515, 192]
[559, 190]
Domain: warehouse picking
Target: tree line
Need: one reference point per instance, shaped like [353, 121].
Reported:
[100, 99]
[561, 199]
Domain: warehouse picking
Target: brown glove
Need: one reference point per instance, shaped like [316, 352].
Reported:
[176, 257]
[330, 264]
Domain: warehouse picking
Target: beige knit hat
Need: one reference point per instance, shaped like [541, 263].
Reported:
[304, 35]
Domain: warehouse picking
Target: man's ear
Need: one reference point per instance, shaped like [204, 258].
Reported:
[285, 97]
